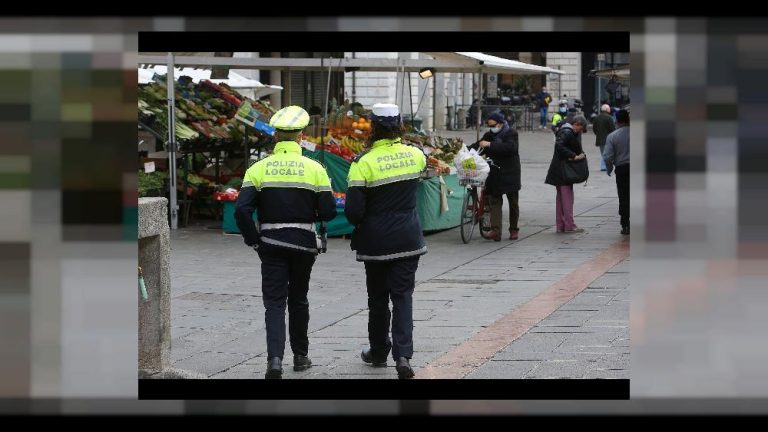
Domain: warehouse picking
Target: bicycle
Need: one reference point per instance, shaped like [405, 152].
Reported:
[475, 210]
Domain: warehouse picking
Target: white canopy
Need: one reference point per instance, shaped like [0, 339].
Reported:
[235, 80]
[442, 62]
[495, 64]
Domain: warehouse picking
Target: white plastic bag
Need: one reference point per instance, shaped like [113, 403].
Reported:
[460, 156]
[471, 166]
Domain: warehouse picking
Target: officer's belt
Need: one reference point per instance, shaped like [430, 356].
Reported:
[304, 226]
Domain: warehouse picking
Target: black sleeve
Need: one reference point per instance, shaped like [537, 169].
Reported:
[326, 206]
[579, 149]
[476, 145]
[507, 147]
[246, 204]
[354, 209]
[561, 148]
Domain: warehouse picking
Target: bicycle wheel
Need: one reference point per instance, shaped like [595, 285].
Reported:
[468, 215]
[485, 219]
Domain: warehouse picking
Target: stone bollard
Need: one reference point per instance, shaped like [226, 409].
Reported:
[154, 260]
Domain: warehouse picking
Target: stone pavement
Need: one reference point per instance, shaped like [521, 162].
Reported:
[462, 289]
[588, 337]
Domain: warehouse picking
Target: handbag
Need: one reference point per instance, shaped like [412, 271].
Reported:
[575, 171]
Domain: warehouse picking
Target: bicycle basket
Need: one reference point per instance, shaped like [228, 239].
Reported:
[471, 181]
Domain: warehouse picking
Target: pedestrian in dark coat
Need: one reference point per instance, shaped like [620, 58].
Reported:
[602, 126]
[567, 147]
[501, 145]
[617, 154]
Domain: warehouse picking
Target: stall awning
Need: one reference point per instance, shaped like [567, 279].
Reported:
[495, 64]
[235, 80]
[442, 62]
[619, 73]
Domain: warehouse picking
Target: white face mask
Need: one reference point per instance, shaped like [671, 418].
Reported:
[496, 129]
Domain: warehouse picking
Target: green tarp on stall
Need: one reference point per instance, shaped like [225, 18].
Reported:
[427, 206]
[428, 203]
[428, 198]
[336, 166]
[228, 224]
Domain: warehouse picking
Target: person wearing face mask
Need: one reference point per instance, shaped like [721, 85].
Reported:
[559, 118]
[501, 145]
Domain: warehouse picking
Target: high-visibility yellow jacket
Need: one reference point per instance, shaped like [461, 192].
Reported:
[381, 202]
[290, 192]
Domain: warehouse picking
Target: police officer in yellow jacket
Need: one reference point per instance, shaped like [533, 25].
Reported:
[381, 203]
[289, 192]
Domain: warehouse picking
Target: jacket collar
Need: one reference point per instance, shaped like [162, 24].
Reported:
[287, 147]
[385, 141]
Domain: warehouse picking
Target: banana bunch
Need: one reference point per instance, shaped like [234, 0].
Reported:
[318, 140]
[352, 144]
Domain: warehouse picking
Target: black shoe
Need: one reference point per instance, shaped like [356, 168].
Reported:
[301, 363]
[375, 360]
[274, 368]
[625, 230]
[404, 370]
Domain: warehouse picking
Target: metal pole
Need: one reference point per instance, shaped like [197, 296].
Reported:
[172, 144]
[455, 104]
[479, 101]
[247, 154]
[323, 226]
[186, 200]
[410, 98]
[354, 83]
[276, 77]
[327, 90]
[325, 118]
[287, 94]
[397, 82]
[402, 88]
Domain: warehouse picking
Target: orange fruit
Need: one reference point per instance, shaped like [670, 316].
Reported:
[355, 124]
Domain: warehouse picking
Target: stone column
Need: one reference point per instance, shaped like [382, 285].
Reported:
[154, 259]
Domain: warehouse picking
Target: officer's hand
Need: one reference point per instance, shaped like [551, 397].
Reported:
[252, 244]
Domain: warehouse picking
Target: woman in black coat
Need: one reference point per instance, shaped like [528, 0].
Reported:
[567, 147]
[500, 144]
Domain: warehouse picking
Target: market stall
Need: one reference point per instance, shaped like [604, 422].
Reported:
[439, 195]
[212, 146]
[342, 134]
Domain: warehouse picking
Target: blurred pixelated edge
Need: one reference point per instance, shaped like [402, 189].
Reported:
[547, 389]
